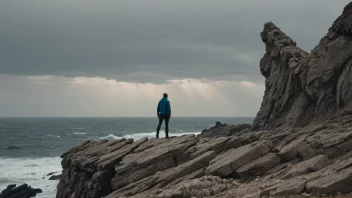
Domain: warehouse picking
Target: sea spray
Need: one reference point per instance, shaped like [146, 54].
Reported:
[32, 171]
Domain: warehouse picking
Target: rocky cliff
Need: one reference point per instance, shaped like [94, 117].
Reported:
[299, 144]
[304, 88]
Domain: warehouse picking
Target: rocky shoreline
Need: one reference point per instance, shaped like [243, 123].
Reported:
[300, 143]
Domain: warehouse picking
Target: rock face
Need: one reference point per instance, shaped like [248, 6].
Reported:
[224, 130]
[89, 168]
[319, 162]
[124, 167]
[304, 88]
[23, 191]
[300, 142]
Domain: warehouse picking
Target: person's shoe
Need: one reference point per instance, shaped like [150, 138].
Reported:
[167, 137]
[157, 136]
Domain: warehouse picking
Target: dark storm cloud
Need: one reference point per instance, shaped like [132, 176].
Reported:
[154, 40]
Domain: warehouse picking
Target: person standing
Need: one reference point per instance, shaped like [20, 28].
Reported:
[164, 113]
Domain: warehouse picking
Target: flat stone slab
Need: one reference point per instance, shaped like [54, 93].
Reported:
[259, 166]
[225, 164]
[307, 166]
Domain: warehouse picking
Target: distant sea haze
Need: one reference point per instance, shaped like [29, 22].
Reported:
[30, 147]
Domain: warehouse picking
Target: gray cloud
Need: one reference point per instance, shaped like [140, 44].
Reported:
[151, 41]
[57, 96]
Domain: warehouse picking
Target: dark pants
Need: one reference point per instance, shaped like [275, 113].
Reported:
[161, 119]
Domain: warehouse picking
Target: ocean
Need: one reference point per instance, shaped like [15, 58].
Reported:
[30, 147]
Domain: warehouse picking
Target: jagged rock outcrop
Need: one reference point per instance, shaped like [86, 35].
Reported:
[22, 191]
[304, 88]
[98, 168]
[288, 161]
[299, 144]
[225, 130]
[53, 176]
[89, 168]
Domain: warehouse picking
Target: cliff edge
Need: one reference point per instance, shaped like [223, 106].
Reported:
[299, 144]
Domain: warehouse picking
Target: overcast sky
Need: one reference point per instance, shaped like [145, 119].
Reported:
[116, 58]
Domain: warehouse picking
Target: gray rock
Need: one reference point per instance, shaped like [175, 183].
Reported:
[162, 179]
[221, 130]
[292, 150]
[225, 164]
[259, 166]
[52, 173]
[293, 186]
[147, 162]
[307, 166]
[203, 187]
[22, 191]
[304, 88]
[55, 177]
[82, 163]
[335, 179]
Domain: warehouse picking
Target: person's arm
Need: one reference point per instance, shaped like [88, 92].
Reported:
[169, 108]
[158, 109]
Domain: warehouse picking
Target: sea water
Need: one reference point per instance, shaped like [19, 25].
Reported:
[30, 148]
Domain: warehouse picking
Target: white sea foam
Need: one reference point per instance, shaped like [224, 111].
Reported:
[78, 128]
[54, 136]
[33, 170]
[79, 133]
[137, 136]
[30, 171]
[110, 136]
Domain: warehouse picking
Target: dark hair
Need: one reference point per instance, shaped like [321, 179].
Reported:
[165, 95]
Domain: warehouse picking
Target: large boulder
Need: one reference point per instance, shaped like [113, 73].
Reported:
[259, 166]
[224, 130]
[296, 148]
[225, 164]
[22, 191]
[340, 182]
[307, 166]
[332, 179]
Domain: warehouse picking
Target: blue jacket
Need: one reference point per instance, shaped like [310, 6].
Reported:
[164, 107]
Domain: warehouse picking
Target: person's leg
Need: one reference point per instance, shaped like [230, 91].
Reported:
[167, 127]
[159, 125]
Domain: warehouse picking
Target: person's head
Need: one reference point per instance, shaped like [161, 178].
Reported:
[165, 95]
